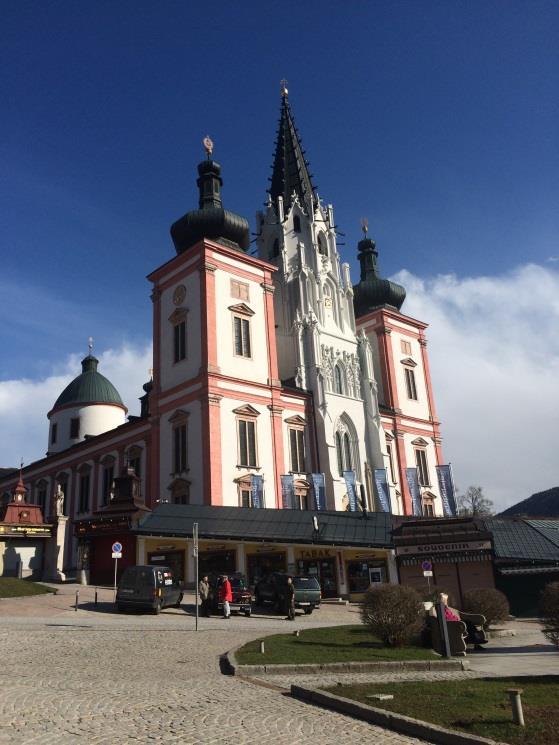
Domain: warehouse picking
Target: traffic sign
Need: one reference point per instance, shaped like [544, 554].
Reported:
[426, 565]
[117, 548]
[116, 555]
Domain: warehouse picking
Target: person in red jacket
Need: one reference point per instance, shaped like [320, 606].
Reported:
[225, 596]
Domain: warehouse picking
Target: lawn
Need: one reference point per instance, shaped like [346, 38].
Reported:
[479, 707]
[332, 644]
[11, 587]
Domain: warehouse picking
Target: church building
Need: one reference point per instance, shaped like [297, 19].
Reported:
[285, 400]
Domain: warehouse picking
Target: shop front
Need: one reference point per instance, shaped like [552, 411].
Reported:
[322, 564]
[263, 560]
[363, 569]
[454, 555]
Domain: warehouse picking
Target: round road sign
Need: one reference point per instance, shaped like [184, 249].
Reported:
[427, 566]
[117, 547]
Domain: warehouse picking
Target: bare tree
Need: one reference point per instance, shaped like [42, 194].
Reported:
[473, 502]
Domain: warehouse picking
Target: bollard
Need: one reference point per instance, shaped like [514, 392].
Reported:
[95, 596]
[77, 599]
[516, 704]
[261, 647]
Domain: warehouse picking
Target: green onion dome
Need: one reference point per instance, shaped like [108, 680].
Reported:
[89, 388]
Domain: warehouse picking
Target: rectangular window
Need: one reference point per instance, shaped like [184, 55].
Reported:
[179, 455]
[247, 443]
[410, 384]
[108, 476]
[242, 336]
[74, 428]
[405, 346]
[297, 449]
[391, 463]
[246, 496]
[428, 509]
[84, 493]
[422, 468]
[239, 290]
[180, 341]
[53, 433]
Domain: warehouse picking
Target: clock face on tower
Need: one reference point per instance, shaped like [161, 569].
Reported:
[179, 294]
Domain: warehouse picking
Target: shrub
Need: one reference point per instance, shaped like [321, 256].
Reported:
[549, 612]
[392, 613]
[488, 601]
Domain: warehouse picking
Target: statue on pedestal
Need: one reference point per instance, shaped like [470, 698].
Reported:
[59, 501]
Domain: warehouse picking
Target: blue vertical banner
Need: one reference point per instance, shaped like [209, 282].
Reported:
[413, 483]
[383, 490]
[349, 477]
[287, 489]
[257, 490]
[446, 487]
[319, 489]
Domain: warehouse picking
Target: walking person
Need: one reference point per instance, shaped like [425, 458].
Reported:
[226, 596]
[204, 593]
[290, 599]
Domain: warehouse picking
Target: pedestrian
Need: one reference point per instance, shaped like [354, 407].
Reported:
[204, 593]
[226, 596]
[290, 599]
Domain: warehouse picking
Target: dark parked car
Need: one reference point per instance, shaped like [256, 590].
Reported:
[242, 597]
[271, 589]
[151, 587]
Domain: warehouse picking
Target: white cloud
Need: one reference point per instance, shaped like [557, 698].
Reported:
[24, 403]
[494, 356]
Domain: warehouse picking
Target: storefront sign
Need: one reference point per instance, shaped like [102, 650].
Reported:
[316, 553]
[443, 548]
[22, 529]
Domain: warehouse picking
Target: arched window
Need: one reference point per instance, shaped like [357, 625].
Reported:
[338, 379]
[322, 247]
[347, 447]
[339, 453]
[297, 223]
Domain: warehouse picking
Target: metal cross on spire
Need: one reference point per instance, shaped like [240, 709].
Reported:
[284, 91]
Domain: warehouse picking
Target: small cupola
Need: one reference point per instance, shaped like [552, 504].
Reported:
[372, 291]
[210, 220]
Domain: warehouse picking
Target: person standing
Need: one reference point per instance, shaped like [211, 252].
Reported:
[290, 599]
[204, 593]
[226, 596]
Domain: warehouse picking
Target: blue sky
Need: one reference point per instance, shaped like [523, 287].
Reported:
[436, 120]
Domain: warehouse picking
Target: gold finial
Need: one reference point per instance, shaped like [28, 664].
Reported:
[365, 226]
[208, 145]
[284, 91]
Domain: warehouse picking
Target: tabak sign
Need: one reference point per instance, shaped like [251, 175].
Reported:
[443, 548]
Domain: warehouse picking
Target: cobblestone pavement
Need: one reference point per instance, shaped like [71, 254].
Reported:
[95, 678]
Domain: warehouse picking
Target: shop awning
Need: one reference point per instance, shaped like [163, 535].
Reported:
[269, 526]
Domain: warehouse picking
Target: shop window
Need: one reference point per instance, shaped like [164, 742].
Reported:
[410, 384]
[422, 467]
[297, 449]
[362, 574]
[74, 428]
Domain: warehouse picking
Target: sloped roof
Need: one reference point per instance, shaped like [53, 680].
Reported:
[269, 525]
[548, 528]
[518, 540]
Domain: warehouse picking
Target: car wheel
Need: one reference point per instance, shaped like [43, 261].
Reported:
[308, 611]
[157, 608]
[248, 612]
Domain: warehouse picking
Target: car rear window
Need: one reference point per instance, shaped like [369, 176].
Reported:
[145, 577]
[306, 583]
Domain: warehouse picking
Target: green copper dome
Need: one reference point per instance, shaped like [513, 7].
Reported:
[89, 388]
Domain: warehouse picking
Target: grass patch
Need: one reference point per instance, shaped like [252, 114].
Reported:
[332, 644]
[12, 587]
[479, 707]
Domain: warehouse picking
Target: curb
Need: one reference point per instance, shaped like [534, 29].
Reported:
[234, 668]
[387, 719]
